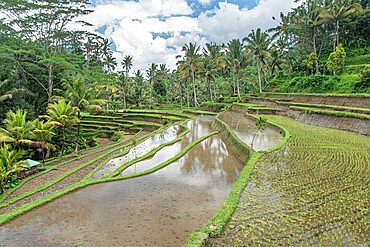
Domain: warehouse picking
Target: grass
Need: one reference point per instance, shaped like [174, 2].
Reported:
[331, 112]
[334, 107]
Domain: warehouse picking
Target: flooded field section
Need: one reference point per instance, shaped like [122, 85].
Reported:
[160, 209]
[245, 128]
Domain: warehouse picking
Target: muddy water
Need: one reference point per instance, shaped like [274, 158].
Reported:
[139, 150]
[160, 209]
[245, 128]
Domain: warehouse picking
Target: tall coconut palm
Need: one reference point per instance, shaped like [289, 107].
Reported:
[337, 12]
[190, 65]
[139, 87]
[17, 129]
[235, 59]
[124, 85]
[151, 74]
[63, 115]
[127, 64]
[213, 51]
[258, 43]
[208, 71]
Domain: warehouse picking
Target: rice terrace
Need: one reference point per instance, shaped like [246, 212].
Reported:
[255, 132]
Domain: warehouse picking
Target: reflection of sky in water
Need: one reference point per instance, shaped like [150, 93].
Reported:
[245, 128]
[141, 149]
[198, 127]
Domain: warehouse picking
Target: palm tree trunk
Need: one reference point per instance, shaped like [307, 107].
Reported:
[210, 89]
[315, 49]
[195, 93]
[259, 76]
[50, 81]
[238, 87]
[336, 36]
[78, 130]
[124, 100]
[234, 87]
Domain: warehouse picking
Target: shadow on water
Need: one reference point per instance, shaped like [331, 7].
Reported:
[245, 128]
[160, 209]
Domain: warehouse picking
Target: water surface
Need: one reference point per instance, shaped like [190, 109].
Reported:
[245, 128]
[160, 209]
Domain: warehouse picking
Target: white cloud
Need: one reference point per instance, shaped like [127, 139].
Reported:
[204, 2]
[153, 31]
[229, 21]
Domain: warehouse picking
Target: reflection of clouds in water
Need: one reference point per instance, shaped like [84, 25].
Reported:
[139, 150]
[245, 129]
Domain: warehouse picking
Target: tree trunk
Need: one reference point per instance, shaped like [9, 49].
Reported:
[78, 130]
[234, 86]
[210, 89]
[195, 93]
[238, 87]
[336, 36]
[50, 81]
[315, 49]
[259, 77]
[124, 101]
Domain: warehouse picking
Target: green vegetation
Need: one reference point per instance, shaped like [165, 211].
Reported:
[318, 187]
[331, 112]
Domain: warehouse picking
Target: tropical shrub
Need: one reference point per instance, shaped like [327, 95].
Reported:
[363, 85]
[310, 84]
[10, 163]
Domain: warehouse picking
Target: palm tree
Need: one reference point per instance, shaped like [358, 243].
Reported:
[10, 163]
[63, 115]
[151, 73]
[190, 65]
[16, 129]
[125, 84]
[139, 87]
[258, 43]
[213, 51]
[43, 133]
[81, 96]
[235, 58]
[209, 71]
[337, 12]
[127, 64]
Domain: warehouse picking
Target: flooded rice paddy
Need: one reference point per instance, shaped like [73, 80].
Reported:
[160, 209]
[245, 128]
[142, 148]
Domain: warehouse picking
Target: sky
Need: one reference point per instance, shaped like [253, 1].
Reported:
[154, 31]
